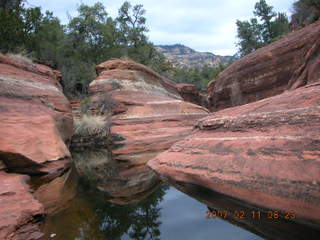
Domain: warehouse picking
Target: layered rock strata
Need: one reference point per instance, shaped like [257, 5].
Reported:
[266, 154]
[148, 114]
[35, 128]
[288, 63]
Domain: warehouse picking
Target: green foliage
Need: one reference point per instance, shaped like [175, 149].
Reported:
[88, 39]
[266, 27]
[18, 26]
[199, 77]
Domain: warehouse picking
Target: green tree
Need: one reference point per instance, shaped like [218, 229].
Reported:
[88, 39]
[266, 27]
[18, 26]
[49, 41]
[92, 33]
[265, 14]
[131, 22]
[249, 36]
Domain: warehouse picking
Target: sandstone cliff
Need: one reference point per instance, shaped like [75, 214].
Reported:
[288, 63]
[148, 114]
[35, 128]
[265, 154]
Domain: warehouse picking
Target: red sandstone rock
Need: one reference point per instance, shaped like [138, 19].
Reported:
[190, 93]
[288, 63]
[35, 128]
[35, 120]
[265, 153]
[19, 211]
[149, 115]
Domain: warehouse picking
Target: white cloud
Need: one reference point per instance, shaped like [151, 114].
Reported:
[204, 25]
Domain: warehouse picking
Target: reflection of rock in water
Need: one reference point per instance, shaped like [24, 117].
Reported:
[57, 194]
[90, 217]
[124, 184]
[240, 214]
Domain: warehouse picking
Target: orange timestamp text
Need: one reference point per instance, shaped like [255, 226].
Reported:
[253, 214]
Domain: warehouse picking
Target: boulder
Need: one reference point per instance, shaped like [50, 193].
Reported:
[265, 154]
[288, 63]
[148, 114]
[36, 126]
[36, 121]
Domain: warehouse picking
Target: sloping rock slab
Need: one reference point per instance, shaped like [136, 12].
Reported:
[148, 114]
[288, 63]
[265, 153]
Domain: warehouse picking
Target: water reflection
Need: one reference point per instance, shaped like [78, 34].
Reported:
[240, 214]
[115, 200]
[121, 183]
[91, 217]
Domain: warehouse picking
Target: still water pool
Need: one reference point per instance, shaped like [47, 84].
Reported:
[166, 214]
[105, 199]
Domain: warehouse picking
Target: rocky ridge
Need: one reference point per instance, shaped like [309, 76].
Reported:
[184, 57]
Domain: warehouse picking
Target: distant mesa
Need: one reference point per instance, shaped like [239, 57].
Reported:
[184, 57]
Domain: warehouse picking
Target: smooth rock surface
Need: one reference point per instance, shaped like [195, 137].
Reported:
[36, 126]
[265, 153]
[35, 120]
[148, 114]
[288, 63]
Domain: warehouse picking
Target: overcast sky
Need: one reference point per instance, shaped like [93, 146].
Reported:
[204, 25]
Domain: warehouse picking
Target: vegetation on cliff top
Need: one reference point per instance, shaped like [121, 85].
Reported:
[86, 40]
[268, 26]
[93, 36]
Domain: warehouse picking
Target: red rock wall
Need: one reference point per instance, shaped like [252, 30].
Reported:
[149, 115]
[288, 63]
[265, 153]
[35, 128]
[190, 93]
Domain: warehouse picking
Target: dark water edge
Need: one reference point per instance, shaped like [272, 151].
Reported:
[166, 214]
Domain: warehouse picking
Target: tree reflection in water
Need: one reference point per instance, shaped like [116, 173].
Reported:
[113, 202]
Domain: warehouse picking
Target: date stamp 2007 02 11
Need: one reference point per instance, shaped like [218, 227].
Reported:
[253, 214]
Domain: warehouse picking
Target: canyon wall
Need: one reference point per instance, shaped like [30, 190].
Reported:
[288, 63]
